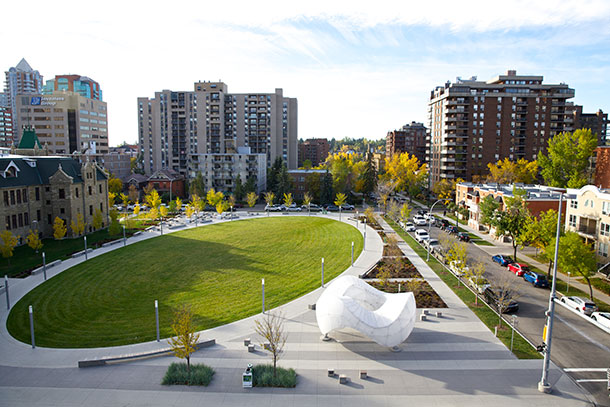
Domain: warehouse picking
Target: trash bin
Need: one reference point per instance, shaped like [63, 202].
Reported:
[246, 377]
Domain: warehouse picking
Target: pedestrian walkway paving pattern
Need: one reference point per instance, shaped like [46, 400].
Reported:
[451, 360]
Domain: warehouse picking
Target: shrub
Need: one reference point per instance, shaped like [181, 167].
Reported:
[200, 375]
[262, 376]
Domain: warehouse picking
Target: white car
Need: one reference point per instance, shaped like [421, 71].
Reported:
[433, 244]
[480, 284]
[458, 269]
[293, 208]
[421, 235]
[581, 305]
[409, 227]
[419, 221]
[602, 317]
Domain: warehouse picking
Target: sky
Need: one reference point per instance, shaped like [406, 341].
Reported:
[357, 68]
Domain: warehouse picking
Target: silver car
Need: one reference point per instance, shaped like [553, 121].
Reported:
[580, 304]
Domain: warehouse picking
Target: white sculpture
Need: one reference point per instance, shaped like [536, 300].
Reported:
[349, 302]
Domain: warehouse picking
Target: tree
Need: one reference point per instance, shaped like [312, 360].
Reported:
[273, 174]
[33, 240]
[238, 191]
[368, 177]
[512, 221]
[307, 201]
[251, 198]
[384, 189]
[575, 257]
[97, 220]
[133, 193]
[307, 164]
[394, 210]
[184, 341]
[190, 210]
[445, 189]
[284, 182]
[405, 212]
[124, 200]
[340, 199]
[163, 211]
[197, 203]
[214, 197]
[78, 227]
[59, 228]
[221, 207]
[488, 208]
[197, 186]
[114, 228]
[326, 189]
[407, 172]
[540, 231]
[505, 293]
[136, 209]
[457, 252]
[508, 172]
[7, 244]
[269, 197]
[111, 196]
[566, 164]
[271, 328]
[152, 199]
[288, 200]
[250, 185]
[313, 184]
[115, 185]
[476, 274]
[172, 206]
[178, 203]
[231, 201]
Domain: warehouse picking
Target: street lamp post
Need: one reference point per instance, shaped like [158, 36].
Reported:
[44, 266]
[263, 284]
[322, 271]
[124, 237]
[568, 290]
[543, 385]
[85, 247]
[231, 212]
[429, 224]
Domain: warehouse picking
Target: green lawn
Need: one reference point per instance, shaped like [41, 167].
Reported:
[215, 269]
[521, 348]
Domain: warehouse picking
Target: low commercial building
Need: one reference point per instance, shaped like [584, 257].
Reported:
[37, 189]
[588, 214]
[220, 171]
[539, 198]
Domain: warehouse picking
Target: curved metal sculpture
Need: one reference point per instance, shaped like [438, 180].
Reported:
[349, 302]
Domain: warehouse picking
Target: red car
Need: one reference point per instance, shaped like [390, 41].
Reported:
[518, 268]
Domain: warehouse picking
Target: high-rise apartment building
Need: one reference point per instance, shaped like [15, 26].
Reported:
[411, 138]
[66, 122]
[597, 122]
[473, 123]
[175, 126]
[20, 80]
[315, 150]
[82, 85]
[6, 126]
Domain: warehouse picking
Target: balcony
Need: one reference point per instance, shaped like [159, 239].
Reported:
[587, 227]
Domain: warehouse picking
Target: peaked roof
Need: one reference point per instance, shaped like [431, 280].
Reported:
[29, 139]
[24, 66]
[40, 172]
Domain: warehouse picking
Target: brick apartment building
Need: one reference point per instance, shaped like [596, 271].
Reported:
[315, 150]
[597, 122]
[411, 138]
[473, 123]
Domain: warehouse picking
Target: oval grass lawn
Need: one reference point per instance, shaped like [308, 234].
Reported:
[215, 269]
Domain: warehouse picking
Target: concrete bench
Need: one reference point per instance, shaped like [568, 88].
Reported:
[177, 226]
[422, 317]
[111, 243]
[139, 232]
[439, 314]
[134, 356]
[251, 347]
[331, 372]
[81, 253]
[49, 265]
[363, 374]
[343, 379]
[247, 341]
[312, 307]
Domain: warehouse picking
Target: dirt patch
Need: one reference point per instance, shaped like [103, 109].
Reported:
[425, 297]
[400, 267]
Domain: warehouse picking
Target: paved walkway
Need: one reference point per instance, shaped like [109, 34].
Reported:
[450, 361]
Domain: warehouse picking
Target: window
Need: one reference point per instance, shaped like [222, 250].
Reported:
[100, 188]
[24, 195]
[49, 221]
[574, 204]
[14, 217]
[6, 201]
[12, 197]
[21, 220]
[101, 207]
[62, 210]
[18, 196]
[573, 221]
[8, 222]
[604, 229]
[37, 194]
[38, 215]
[62, 193]
[602, 249]
[76, 192]
[90, 209]
[605, 208]
[26, 218]
[90, 191]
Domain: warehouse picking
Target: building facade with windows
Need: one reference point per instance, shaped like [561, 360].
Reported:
[174, 126]
[6, 126]
[411, 138]
[597, 122]
[588, 214]
[35, 190]
[302, 181]
[473, 123]
[66, 122]
[315, 150]
[20, 80]
[84, 86]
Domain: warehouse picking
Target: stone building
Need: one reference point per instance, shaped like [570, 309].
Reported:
[37, 189]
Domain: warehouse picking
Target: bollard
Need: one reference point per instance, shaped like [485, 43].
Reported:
[496, 330]
[352, 254]
[263, 282]
[157, 318]
[32, 326]
[322, 271]
[8, 302]
[44, 266]
[364, 242]
[398, 287]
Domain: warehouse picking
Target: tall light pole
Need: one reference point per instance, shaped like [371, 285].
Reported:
[263, 284]
[429, 214]
[543, 385]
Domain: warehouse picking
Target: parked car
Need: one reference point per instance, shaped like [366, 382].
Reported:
[452, 229]
[347, 207]
[420, 221]
[433, 244]
[312, 208]
[293, 208]
[421, 212]
[272, 208]
[458, 268]
[464, 237]
[500, 301]
[332, 208]
[582, 305]
[518, 268]
[409, 227]
[602, 317]
[421, 235]
[502, 260]
[441, 223]
[480, 284]
[537, 279]
[130, 207]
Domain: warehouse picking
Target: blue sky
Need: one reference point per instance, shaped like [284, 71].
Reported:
[357, 68]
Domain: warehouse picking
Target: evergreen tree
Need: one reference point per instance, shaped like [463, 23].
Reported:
[284, 183]
[369, 177]
[238, 191]
[197, 186]
[326, 191]
[273, 174]
[250, 185]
